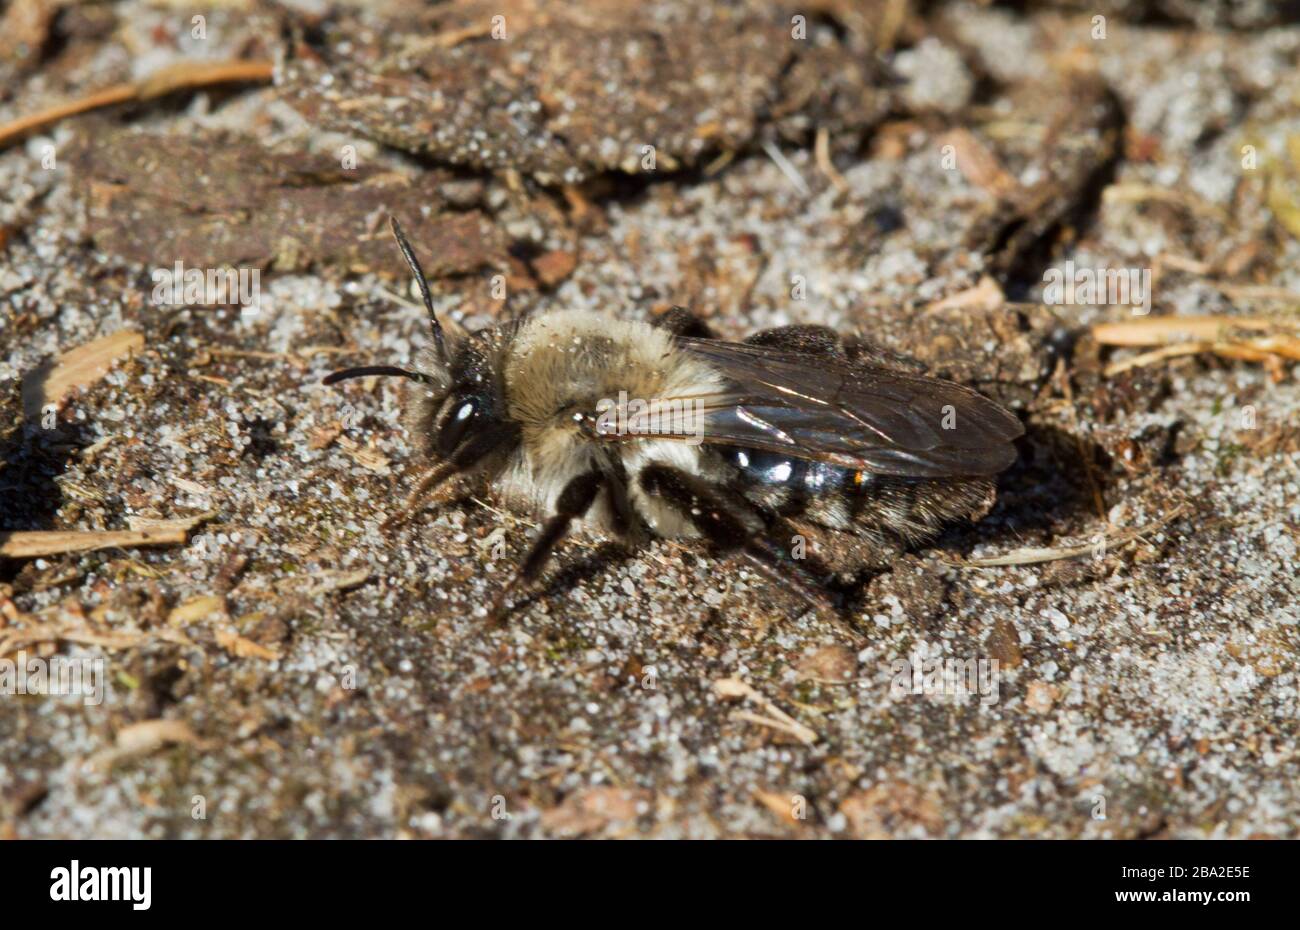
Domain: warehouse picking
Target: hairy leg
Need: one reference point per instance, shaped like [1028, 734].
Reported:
[628, 524]
[806, 339]
[723, 524]
[478, 449]
[822, 340]
[431, 479]
[574, 501]
[683, 322]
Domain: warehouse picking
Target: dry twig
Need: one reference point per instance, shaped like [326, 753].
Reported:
[31, 544]
[1252, 339]
[187, 75]
[1033, 556]
[777, 719]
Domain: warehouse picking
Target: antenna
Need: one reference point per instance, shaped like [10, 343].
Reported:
[416, 270]
[368, 370]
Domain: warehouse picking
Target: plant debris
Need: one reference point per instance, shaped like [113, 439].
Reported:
[177, 77]
[141, 739]
[1251, 339]
[1104, 543]
[26, 545]
[75, 369]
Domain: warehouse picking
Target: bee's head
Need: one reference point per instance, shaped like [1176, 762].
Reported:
[456, 410]
[463, 401]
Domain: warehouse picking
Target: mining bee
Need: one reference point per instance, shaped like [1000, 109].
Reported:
[793, 434]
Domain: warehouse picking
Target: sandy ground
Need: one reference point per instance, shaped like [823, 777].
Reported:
[290, 671]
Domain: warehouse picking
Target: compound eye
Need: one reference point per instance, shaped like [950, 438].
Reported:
[456, 426]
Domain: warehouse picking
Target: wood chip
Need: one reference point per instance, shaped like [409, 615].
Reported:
[1033, 556]
[365, 456]
[244, 648]
[148, 524]
[791, 727]
[781, 805]
[78, 368]
[1165, 330]
[777, 719]
[328, 582]
[1145, 193]
[986, 295]
[1251, 339]
[67, 623]
[190, 487]
[822, 155]
[322, 437]
[186, 75]
[1263, 292]
[14, 638]
[141, 739]
[978, 163]
[35, 543]
[731, 688]
[592, 810]
[195, 609]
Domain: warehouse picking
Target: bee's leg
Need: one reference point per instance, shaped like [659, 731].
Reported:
[628, 525]
[806, 339]
[863, 350]
[470, 453]
[573, 502]
[683, 322]
[431, 479]
[822, 340]
[724, 525]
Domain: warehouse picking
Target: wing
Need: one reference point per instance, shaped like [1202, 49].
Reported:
[852, 414]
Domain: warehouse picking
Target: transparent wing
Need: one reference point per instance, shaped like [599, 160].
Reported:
[852, 414]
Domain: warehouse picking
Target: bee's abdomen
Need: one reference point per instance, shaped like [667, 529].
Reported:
[785, 484]
[850, 499]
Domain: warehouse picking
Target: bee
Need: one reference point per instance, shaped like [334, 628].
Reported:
[793, 434]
